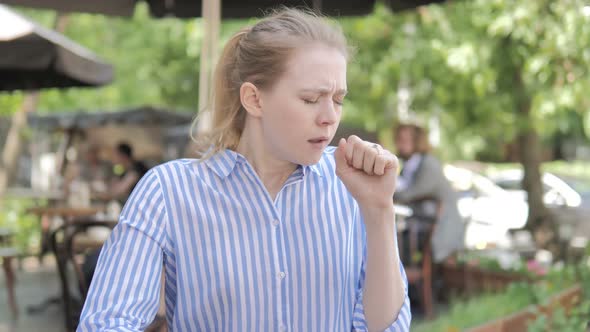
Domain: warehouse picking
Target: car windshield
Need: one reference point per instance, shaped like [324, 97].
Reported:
[582, 186]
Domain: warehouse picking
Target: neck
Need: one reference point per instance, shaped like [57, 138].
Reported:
[272, 171]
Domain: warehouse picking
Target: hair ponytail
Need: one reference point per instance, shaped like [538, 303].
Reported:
[227, 121]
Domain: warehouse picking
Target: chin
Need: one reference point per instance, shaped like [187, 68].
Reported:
[310, 159]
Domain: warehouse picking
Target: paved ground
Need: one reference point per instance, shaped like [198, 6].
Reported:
[34, 284]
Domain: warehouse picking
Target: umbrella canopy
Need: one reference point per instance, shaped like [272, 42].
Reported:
[229, 8]
[255, 8]
[33, 57]
[106, 7]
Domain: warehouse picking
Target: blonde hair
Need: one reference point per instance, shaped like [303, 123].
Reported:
[258, 55]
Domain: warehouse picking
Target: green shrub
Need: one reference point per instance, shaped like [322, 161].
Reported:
[576, 321]
[468, 313]
[26, 226]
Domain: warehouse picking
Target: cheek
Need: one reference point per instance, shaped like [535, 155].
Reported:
[288, 116]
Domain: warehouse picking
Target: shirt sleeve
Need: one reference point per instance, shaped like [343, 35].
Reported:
[125, 289]
[426, 180]
[404, 318]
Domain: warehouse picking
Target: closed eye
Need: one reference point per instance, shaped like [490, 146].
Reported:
[309, 101]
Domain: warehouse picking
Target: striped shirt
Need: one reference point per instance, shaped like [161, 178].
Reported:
[234, 259]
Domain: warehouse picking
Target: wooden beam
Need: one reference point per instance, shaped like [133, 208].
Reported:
[209, 53]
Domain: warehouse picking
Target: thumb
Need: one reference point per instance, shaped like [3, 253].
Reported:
[340, 154]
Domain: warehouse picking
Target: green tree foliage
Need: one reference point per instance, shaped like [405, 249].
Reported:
[9, 103]
[454, 57]
[501, 71]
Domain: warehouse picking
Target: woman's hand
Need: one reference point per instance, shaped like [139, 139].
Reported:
[368, 171]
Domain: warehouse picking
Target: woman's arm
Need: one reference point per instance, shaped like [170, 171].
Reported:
[369, 173]
[125, 289]
[385, 289]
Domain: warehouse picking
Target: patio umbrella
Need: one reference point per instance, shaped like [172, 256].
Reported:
[255, 8]
[229, 8]
[106, 7]
[33, 57]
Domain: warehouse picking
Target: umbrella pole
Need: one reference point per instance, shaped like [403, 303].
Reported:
[317, 6]
[211, 12]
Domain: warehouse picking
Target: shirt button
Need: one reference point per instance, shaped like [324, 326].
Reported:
[275, 222]
[282, 275]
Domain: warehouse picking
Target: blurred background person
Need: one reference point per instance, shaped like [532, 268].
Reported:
[123, 183]
[423, 187]
[88, 169]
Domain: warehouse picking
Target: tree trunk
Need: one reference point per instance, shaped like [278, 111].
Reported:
[12, 146]
[540, 221]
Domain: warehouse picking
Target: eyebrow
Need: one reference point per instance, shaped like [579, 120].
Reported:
[324, 90]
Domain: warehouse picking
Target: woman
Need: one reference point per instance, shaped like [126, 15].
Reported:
[272, 230]
[422, 185]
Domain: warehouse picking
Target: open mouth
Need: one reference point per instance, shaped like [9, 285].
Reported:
[317, 140]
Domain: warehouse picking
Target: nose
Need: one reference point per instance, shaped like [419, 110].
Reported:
[329, 114]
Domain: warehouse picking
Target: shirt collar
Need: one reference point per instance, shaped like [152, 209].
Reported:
[312, 168]
[224, 162]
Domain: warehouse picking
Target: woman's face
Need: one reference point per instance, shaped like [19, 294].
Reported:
[301, 112]
[404, 143]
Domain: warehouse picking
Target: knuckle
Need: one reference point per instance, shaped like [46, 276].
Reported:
[354, 138]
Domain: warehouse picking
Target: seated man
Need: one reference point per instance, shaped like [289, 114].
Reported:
[120, 188]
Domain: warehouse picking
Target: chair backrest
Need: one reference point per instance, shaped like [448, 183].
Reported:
[424, 225]
[421, 230]
[63, 243]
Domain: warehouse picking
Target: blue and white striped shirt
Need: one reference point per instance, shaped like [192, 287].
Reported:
[234, 259]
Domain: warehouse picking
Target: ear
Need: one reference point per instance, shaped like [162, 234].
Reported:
[250, 98]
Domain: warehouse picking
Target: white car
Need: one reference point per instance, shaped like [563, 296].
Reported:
[570, 206]
[490, 211]
[555, 190]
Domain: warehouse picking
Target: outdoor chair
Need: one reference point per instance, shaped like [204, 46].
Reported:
[420, 265]
[69, 244]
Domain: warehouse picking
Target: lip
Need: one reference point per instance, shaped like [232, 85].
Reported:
[317, 140]
[319, 143]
